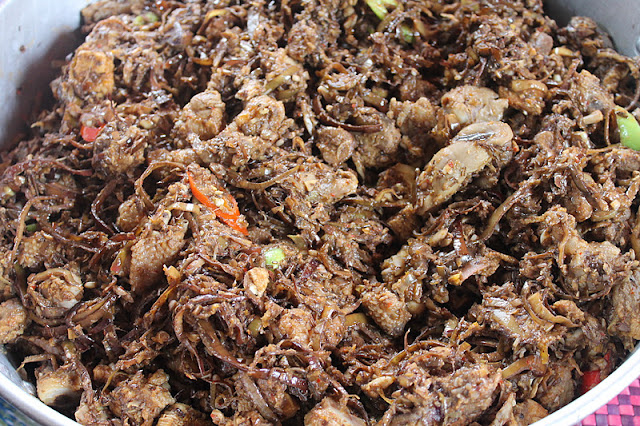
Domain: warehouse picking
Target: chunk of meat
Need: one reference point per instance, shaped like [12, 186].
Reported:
[355, 241]
[588, 95]
[377, 149]
[91, 73]
[591, 264]
[140, 67]
[60, 387]
[260, 126]
[589, 268]
[303, 39]
[152, 251]
[503, 311]
[330, 187]
[624, 319]
[265, 117]
[312, 191]
[203, 115]
[182, 415]
[406, 270]
[296, 325]
[248, 418]
[285, 77]
[230, 147]
[457, 399]
[591, 337]
[470, 391]
[110, 34]
[387, 310]
[415, 121]
[53, 292]
[131, 214]
[335, 144]
[215, 240]
[140, 399]
[472, 104]
[119, 148]
[526, 95]
[320, 34]
[475, 148]
[181, 24]
[61, 287]
[13, 320]
[528, 412]
[183, 156]
[277, 397]
[330, 412]
[542, 42]
[91, 412]
[256, 281]
[558, 388]
[38, 249]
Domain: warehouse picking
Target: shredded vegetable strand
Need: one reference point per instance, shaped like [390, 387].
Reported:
[21, 223]
[140, 181]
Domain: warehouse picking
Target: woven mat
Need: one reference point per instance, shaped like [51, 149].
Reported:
[623, 410]
[9, 416]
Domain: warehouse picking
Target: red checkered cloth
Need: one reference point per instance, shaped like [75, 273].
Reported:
[623, 410]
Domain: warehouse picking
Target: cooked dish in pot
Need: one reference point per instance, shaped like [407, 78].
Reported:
[325, 212]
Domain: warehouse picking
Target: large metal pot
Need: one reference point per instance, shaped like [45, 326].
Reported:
[34, 33]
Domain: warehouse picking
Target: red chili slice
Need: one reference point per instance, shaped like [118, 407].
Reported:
[90, 134]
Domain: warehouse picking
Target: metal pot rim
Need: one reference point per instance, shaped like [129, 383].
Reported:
[61, 18]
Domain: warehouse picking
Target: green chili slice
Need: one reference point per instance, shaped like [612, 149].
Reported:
[273, 257]
[379, 7]
[407, 33]
[628, 128]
